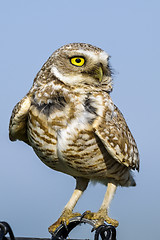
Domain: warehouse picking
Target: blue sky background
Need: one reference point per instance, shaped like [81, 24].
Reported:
[32, 195]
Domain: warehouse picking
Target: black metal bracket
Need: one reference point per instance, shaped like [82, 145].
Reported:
[105, 232]
[4, 229]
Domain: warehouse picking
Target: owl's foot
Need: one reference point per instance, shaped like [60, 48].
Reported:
[64, 219]
[101, 216]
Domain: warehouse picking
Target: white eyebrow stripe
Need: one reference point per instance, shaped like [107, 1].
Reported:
[95, 55]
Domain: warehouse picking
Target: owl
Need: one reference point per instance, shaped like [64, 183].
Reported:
[73, 126]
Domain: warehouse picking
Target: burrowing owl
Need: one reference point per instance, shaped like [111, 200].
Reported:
[73, 126]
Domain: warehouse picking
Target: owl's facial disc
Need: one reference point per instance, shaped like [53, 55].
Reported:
[82, 67]
[96, 72]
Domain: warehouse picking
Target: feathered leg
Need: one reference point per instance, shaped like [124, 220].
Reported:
[102, 214]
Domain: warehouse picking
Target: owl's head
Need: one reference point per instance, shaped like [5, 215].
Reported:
[80, 64]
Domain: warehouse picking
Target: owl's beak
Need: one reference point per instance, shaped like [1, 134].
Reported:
[99, 73]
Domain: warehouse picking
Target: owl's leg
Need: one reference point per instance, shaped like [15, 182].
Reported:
[102, 214]
[67, 214]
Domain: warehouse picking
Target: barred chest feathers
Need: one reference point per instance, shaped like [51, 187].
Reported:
[60, 126]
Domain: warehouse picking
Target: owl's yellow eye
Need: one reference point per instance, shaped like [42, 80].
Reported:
[78, 61]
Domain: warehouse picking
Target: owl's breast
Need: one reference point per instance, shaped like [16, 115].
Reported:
[57, 123]
[77, 148]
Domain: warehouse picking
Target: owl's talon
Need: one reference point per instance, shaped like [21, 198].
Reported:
[64, 219]
[100, 218]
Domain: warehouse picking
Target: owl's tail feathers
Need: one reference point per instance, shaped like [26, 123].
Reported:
[131, 182]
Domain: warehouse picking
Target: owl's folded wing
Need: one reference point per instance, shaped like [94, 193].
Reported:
[18, 121]
[114, 133]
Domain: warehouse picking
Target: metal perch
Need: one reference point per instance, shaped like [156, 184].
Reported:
[105, 232]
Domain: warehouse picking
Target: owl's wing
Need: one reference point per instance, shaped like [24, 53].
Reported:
[114, 133]
[18, 120]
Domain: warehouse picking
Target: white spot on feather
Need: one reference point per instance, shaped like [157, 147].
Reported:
[117, 148]
[125, 147]
[115, 138]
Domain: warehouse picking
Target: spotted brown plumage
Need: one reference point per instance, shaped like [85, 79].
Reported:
[70, 121]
